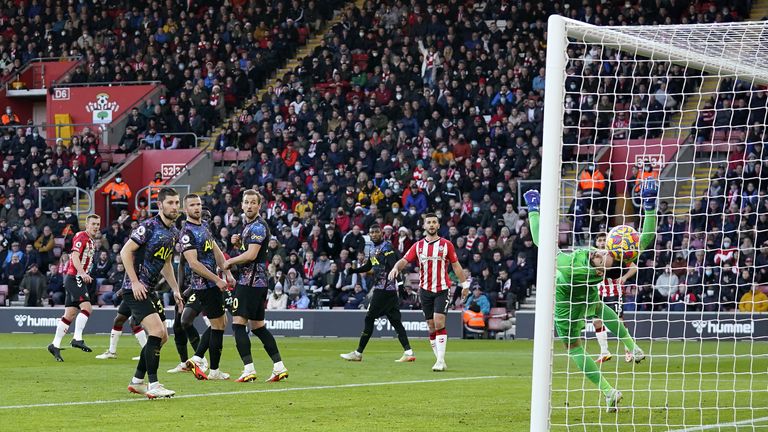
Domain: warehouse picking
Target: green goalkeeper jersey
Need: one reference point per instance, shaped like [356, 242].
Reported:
[576, 278]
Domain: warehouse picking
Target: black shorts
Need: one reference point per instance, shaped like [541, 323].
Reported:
[77, 291]
[210, 301]
[615, 303]
[193, 302]
[434, 302]
[140, 309]
[250, 302]
[385, 303]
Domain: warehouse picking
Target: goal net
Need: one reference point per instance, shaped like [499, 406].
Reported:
[683, 107]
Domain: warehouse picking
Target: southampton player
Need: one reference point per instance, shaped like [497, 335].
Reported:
[202, 255]
[251, 290]
[76, 282]
[434, 254]
[385, 300]
[611, 294]
[578, 274]
[147, 256]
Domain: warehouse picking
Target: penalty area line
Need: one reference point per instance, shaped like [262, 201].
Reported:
[245, 392]
[722, 425]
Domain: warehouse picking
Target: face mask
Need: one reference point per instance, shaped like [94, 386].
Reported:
[8, 111]
[710, 292]
[93, 152]
[396, 210]
[398, 96]
[476, 209]
[221, 180]
[445, 149]
[412, 211]
[726, 244]
[449, 185]
[162, 101]
[708, 272]
[500, 189]
[118, 180]
[7, 206]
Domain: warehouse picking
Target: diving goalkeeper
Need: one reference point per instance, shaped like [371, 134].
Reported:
[576, 298]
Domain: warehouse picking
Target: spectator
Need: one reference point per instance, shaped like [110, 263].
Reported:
[299, 300]
[478, 298]
[666, 284]
[277, 300]
[33, 285]
[753, 301]
[55, 290]
[355, 298]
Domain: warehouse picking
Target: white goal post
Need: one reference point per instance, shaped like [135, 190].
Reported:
[735, 50]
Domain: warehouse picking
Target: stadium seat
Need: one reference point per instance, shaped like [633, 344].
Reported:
[473, 333]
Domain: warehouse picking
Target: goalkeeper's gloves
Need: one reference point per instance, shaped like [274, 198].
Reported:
[649, 192]
[532, 200]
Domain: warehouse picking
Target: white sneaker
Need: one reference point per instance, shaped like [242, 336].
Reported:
[138, 388]
[247, 376]
[353, 356]
[612, 401]
[159, 392]
[106, 355]
[628, 356]
[278, 375]
[181, 367]
[439, 366]
[203, 364]
[406, 358]
[604, 357]
[638, 355]
[137, 358]
[216, 374]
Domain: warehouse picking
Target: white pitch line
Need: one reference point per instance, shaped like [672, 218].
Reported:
[229, 393]
[722, 425]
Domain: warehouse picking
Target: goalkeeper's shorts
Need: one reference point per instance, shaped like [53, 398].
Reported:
[570, 319]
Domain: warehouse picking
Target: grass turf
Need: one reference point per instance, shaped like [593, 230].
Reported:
[487, 387]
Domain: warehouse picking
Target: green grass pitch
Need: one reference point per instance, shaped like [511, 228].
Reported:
[487, 387]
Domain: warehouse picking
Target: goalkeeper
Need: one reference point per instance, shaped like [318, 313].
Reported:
[576, 298]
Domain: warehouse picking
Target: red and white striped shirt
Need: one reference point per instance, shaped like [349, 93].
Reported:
[82, 245]
[610, 288]
[433, 258]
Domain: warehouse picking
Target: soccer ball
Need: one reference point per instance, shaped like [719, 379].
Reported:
[623, 242]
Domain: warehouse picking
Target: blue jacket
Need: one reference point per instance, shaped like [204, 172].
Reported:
[482, 301]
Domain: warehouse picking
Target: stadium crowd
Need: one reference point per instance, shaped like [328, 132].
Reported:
[403, 108]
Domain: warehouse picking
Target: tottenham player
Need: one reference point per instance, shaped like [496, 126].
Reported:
[385, 300]
[123, 315]
[433, 254]
[76, 282]
[251, 290]
[202, 254]
[147, 256]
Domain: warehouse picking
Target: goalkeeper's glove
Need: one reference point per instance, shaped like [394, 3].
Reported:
[649, 192]
[532, 200]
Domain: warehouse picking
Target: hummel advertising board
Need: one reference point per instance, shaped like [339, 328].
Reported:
[329, 323]
[675, 325]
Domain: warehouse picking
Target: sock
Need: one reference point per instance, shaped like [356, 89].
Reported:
[432, 336]
[152, 357]
[141, 367]
[278, 366]
[243, 343]
[365, 336]
[216, 338]
[114, 337]
[611, 320]
[135, 380]
[269, 343]
[602, 340]
[408, 352]
[180, 339]
[193, 336]
[590, 369]
[441, 340]
[249, 368]
[141, 336]
[402, 335]
[204, 344]
[61, 330]
[80, 321]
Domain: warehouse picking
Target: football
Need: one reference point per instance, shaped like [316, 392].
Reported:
[623, 242]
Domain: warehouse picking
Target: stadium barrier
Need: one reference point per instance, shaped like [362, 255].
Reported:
[315, 323]
[675, 326]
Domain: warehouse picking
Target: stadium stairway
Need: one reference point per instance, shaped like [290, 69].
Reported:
[759, 10]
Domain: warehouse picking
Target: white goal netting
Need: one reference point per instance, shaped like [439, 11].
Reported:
[686, 106]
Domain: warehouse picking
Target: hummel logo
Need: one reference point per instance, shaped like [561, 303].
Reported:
[20, 319]
[380, 323]
[699, 325]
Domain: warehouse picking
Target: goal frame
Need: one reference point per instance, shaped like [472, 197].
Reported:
[711, 58]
